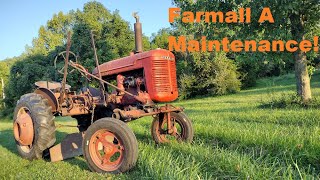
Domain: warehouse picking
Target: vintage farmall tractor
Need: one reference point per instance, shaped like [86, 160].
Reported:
[105, 140]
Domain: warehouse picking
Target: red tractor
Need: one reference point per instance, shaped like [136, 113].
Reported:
[105, 140]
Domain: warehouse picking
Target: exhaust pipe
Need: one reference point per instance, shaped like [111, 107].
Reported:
[138, 33]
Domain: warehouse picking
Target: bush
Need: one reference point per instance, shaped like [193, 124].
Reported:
[249, 72]
[254, 66]
[208, 74]
[7, 112]
[24, 74]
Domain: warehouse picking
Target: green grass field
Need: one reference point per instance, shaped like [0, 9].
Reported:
[234, 138]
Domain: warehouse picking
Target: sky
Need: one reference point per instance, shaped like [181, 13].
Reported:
[21, 20]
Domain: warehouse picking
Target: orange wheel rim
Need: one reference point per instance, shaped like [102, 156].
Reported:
[23, 129]
[106, 150]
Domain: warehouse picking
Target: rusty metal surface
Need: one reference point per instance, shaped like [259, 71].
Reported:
[23, 127]
[95, 54]
[64, 80]
[137, 113]
[61, 54]
[138, 33]
[168, 127]
[120, 80]
[106, 150]
[102, 88]
[76, 110]
[132, 114]
[78, 104]
[71, 146]
[50, 85]
[143, 101]
[169, 122]
[49, 95]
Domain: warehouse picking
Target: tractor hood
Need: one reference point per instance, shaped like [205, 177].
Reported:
[133, 62]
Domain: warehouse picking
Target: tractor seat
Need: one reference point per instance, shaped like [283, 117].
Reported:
[93, 91]
[51, 85]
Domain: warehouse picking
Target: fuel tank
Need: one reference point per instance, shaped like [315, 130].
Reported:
[159, 71]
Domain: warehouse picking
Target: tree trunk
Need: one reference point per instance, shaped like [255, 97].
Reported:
[302, 76]
[3, 95]
[300, 58]
[2, 88]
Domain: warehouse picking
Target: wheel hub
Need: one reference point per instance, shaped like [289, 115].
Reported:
[106, 150]
[23, 128]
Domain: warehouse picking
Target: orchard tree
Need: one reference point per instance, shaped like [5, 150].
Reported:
[294, 19]
[300, 18]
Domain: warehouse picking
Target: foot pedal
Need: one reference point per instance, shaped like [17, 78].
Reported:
[71, 146]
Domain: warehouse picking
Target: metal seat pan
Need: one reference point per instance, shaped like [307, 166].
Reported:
[50, 85]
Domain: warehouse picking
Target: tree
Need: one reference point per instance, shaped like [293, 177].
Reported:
[293, 20]
[303, 16]
[160, 39]
[4, 74]
[5, 66]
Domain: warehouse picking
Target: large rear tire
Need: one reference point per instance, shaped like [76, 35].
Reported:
[182, 125]
[34, 128]
[110, 146]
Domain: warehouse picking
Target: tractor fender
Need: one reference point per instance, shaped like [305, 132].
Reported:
[50, 96]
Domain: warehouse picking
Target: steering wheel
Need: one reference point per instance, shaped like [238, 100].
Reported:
[60, 66]
[83, 69]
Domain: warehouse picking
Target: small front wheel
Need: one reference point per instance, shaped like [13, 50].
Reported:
[181, 125]
[110, 146]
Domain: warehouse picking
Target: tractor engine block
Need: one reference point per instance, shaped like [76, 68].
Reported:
[133, 85]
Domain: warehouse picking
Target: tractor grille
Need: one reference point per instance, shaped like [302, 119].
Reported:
[164, 76]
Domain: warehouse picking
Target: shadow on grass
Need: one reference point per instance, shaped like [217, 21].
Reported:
[7, 141]
[78, 161]
[144, 138]
[266, 90]
[250, 92]
[235, 109]
[311, 122]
